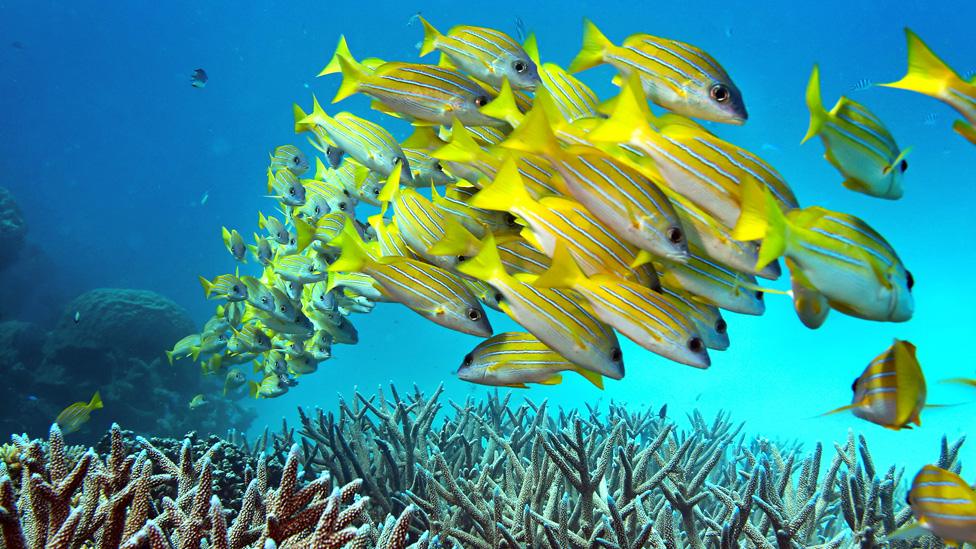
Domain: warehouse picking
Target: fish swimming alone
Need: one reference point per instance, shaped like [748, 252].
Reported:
[74, 416]
[198, 78]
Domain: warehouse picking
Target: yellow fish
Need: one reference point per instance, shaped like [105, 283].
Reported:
[929, 75]
[891, 390]
[943, 504]
[197, 401]
[513, 359]
[74, 416]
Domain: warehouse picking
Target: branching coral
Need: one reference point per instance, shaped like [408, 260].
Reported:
[494, 474]
[146, 499]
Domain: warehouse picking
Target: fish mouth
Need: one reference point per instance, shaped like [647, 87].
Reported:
[677, 257]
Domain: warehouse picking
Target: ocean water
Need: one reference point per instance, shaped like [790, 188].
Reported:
[110, 153]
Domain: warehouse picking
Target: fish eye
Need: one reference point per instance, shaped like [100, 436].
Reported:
[461, 259]
[519, 66]
[468, 359]
[438, 167]
[318, 210]
[236, 289]
[720, 93]
[498, 297]
[311, 268]
[721, 326]
[615, 354]
[908, 498]
[291, 191]
[696, 345]
[675, 235]
[283, 309]
[297, 160]
[474, 315]
[511, 220]
[854, 385]
[903, 166]
[909, 280]
[342, 206]
[481, 100]
[264, 300]
[376, 192]
[759, 295]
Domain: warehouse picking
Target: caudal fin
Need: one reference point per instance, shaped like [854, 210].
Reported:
[207, 287]
[761, 219]
[506, 192]
[815, 104]
[96, 402]
[430, 37]
[595, 44]
[486, 265]
[534, 134]
[563, 272]
[352, 74]
[927, 74]
[342, 50]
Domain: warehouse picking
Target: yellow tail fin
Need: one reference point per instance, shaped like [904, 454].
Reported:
[354, 255]
[531, 47]
[207, 286]
[595, 45]
[342, 50]
[300, 115]
[252, 388]
[563, 272]
[96, 402]
[504, 107]
[392, 186]
[761, 219]
[352, 74]
[486, 265]
[927, 74]
[818, 115]
[506, 192]
[430, 37]
[630, 116]
[534, 134]
[306, 233]
[461, 148]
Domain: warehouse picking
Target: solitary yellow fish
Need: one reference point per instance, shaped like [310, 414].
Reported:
[74, 416]
[891, 390]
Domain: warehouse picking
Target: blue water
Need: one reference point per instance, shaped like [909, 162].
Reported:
[110, 152]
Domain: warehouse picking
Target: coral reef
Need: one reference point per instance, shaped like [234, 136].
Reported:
[116, 347]
[13, 228]
[494, 474]
[141, 497]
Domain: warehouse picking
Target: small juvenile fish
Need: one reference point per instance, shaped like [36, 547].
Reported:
[235, 378]
[340, 328]
[513, 359]
[943, 504]
[198, 401]
[291, 158]
[261, 250]
[225, 286]
[77, 317]
[249, 339]
[275, 229]
[198, 78]
[488, 55]
[929, 75]
[677, 76]
[234, 243]
[74, 416]
[857, 144]
[183, 347]
[210, 343]
[298, 268]
[271, 386]
[891, 390]
[320, 346]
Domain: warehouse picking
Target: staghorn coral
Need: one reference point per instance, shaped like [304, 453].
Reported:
[494, 474]
[137, 496]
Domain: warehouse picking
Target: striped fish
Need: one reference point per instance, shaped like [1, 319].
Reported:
[434, 293]
[259, 296]
[704, 169]
[319, 296]
[628, 203]
[707, 318]
[298, 268]
[644, 316]
[285, 186]
[426, 169]
[325, 229]
[484, 291]
[333, 192]
[929, 75]
[554, 219]
[367, 142]
[234, 243]
[840, 256]
[518, 256]
[944, 504]
[261, 249]
[454, 202]
[513, 359]
[430, 232]
[225, 286]
[574, 99]
[390, 242]
[891, 390]
[553, 316]
[486, 54]
[713, 283]
[74, 416]
[291, 158]
[357, 283]
[677, 76]
[424, 93]
[249, 339]
[857, 144]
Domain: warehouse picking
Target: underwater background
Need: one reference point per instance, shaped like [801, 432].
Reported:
[124, 175]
